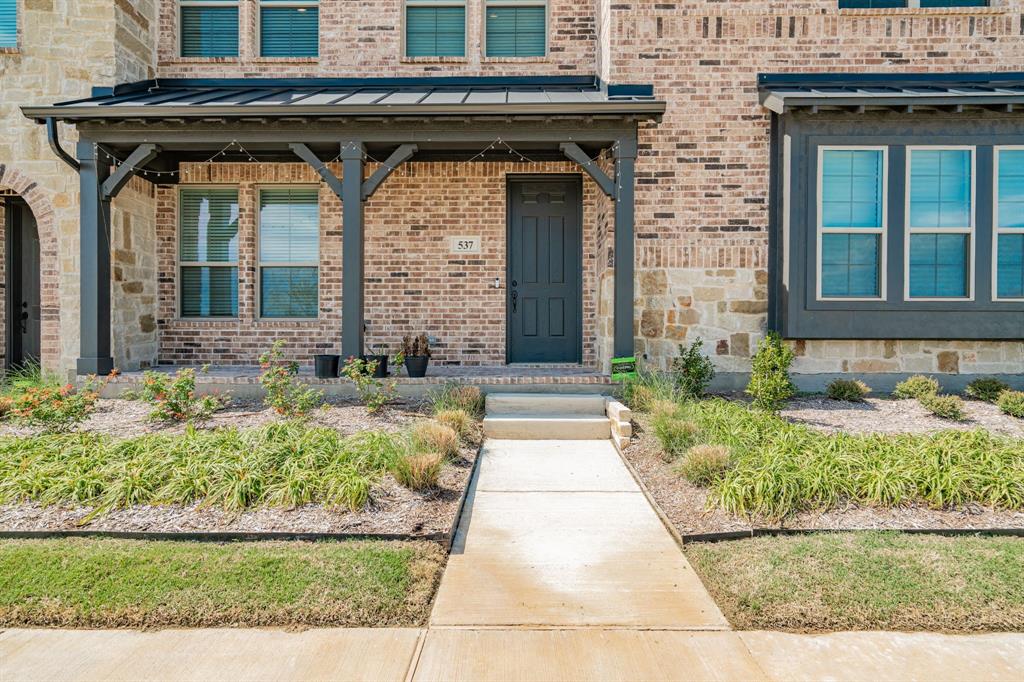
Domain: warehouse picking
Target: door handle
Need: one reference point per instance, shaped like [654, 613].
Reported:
[515, 298]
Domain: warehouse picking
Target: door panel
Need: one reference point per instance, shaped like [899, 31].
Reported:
[24, 318]
[544, 271]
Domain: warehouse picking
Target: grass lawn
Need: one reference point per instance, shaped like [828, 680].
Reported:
[866, 581]
[127, 583]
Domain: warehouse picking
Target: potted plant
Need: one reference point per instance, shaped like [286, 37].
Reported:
[326, 366]
[416, 353]
[378, 361]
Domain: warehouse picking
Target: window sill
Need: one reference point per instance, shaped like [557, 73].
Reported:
[433, 60]
[200, 60]
[284, 60]
[925, 11]
[515, 60]
[10, 50]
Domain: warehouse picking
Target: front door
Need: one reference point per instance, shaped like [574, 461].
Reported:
[544, 270]
[23, 312]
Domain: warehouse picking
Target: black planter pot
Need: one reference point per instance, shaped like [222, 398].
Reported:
[416, 365]
[381, 370]
[326, 366]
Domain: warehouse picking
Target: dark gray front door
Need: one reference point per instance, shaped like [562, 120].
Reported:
[544, 270]
[23, 312]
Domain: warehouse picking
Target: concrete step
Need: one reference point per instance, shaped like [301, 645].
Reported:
[545, 404]
[548, 427]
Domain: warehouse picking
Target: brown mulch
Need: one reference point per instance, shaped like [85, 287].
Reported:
[686, 505]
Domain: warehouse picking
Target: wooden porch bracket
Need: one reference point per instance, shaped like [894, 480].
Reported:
[307, 155]
[142, 155]
[397, 158]
[573, 152]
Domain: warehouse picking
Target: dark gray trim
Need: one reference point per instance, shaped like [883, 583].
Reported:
[142, 155]
[352, 244]
[53, 137]
[94, 274]
[573, 152]
[307, 155]
[775, 251]
[803, 317]
[397, 158]
[625, 152]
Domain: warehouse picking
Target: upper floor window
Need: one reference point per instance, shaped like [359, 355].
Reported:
[881, 4]
[208, 252]
[435, 28]
[289, 248]
[8, 23]
[209, 28]
[289, 28]
[515, 28]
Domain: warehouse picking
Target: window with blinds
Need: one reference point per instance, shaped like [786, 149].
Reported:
[516, 28]
[435, 29]
[8, 23]
[209, 28]
[289, 251]
[289, 28]
[208, 252]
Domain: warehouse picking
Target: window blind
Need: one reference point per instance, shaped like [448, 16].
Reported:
[8, 23]
[208, 235]
[209, 31]
[435, 31]
[516, 31]
[289, 31]
[289, 252]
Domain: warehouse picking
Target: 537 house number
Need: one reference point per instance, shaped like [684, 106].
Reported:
[465, 245]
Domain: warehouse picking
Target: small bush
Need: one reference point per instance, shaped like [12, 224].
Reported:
[945, 406]
[432, 436]
[286, 395]
[458, 420]
[769, 377]
[987, 389]
[916, 387]
[692, 370]
[849, 390]
[1012, 403]
[174, 398]
[705, 464]
[54, 408]
[418, 470]
[646, 388]
[453, 396]
[373, 392]
[674, 434]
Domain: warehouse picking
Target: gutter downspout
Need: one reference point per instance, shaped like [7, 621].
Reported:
[53, 137]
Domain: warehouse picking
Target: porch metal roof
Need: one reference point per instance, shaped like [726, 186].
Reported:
[321, 98]
[829, 91]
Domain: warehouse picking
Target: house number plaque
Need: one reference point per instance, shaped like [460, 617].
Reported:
[465, 245]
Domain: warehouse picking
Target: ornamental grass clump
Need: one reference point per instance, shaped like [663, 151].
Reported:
[418, 470]
[704, 464]
[916, 387]
[769, 384]
[432, 436]
[987, 388]
[848, 390]
[458, 421]
[647, 388]
[1011, 403]
[944, 406]
[674, 433]
[454, 396]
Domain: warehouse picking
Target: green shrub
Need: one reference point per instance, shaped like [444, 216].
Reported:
[373, 392]
[849, 390]
[452, 396]
[53, 408]
[987, 389]
[705, 464]
[174, 398]
[646, 388]
[769, 377]
[1012, 403]
[674, 434]
[285, 394]
[916, 387]
[945, 406]
[692, 370]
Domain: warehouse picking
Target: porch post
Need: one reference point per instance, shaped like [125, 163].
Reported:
[94, 268]
[625, 159]
[352, 248]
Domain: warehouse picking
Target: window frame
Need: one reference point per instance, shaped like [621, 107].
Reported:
[260, 264]
[487, 4]
[260, 4]
[996, 228]
[237, 4]
[970, 231]
[883, 231]
[406, 4]
[179, 263]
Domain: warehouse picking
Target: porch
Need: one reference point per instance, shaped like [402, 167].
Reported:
[352, 137]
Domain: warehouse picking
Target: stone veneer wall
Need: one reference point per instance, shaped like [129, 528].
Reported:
[133, 290]
[702, 196]
[413, 284]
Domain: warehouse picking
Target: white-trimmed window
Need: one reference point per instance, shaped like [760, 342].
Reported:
[852, 208]
[289, 28]
[289, 252]
[435, 28]
[515, 28]
[1009, 223]
[208, 28]
[940, 223]
[208, 251]
[8, 23]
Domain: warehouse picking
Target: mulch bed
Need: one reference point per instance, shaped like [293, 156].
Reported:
[686, 507]
[393, 509]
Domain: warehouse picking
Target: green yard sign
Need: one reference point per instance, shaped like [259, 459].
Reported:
[623, 369]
